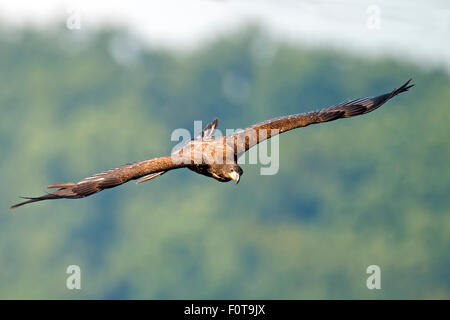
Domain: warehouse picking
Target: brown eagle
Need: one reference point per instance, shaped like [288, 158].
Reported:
[215, 157]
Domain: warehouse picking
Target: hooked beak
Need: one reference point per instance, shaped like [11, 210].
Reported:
[235, 176]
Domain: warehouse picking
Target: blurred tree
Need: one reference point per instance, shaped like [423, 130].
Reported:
[349, 194]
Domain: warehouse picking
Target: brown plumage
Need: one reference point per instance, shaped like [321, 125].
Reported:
[215, 157]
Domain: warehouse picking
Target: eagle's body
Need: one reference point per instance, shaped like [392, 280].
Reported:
[215, 157]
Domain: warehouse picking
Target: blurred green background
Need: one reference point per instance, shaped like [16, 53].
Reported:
[368, 190]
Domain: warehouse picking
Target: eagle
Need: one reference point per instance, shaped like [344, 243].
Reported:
[209, 155]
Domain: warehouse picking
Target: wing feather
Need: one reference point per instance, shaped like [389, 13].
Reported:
[248, 137]
[107, 179]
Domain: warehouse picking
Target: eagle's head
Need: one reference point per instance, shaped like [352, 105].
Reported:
[227, 172]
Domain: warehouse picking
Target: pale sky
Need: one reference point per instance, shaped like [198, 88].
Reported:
[417, 30]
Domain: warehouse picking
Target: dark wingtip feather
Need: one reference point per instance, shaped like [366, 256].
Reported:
[405, 87]
[16, 206]
[29, 200]
[21, 203]
[34, 199]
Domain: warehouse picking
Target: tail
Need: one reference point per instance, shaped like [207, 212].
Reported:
[48, 196]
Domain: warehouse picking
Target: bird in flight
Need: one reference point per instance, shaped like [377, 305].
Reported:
[215, 157]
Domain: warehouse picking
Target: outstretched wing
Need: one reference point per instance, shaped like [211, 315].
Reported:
[247, 138]
[146, 170]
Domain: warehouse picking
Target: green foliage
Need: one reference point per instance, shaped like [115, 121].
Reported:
[349, 194]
